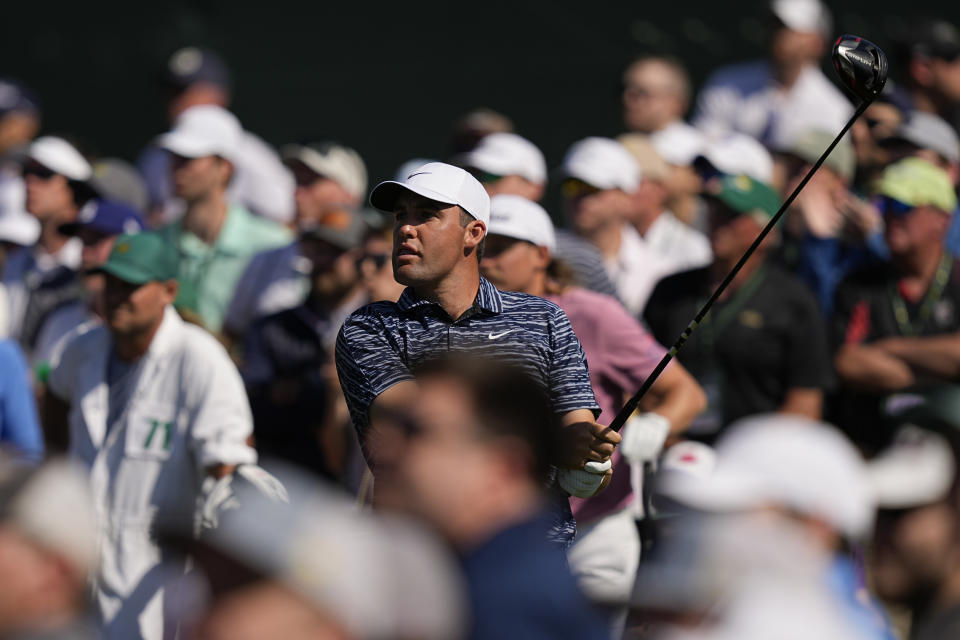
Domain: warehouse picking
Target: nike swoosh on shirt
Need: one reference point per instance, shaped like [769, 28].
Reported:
[494, 336]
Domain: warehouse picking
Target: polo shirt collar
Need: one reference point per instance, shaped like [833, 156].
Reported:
[232, 239]
[488, 299]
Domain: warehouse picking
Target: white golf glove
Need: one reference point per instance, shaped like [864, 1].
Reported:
[643, 437]
[219, 495]
[583, 483]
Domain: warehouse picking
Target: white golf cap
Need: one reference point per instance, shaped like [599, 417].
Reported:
[917, 469]
[440, 182]
[928, 131]
[678, 143]
[517, 217]
[808, 16]
[204, 130]
[507, 154]
[60, 156]
[341, 164]
[799, 464]
[602, 163]
[738, 154]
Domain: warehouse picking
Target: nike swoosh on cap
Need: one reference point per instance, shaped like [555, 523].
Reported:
[420, 173]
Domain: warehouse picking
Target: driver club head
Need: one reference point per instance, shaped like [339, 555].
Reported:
[861, 65]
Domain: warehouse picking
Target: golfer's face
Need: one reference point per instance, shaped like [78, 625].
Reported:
[428, 240]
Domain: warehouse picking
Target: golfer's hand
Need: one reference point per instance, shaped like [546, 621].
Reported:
[582, 442]
[643, 437]
[585, 483]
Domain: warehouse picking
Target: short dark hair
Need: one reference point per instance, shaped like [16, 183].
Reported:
[465, 219]
[506, 401]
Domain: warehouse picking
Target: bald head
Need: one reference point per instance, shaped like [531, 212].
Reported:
[656, 91]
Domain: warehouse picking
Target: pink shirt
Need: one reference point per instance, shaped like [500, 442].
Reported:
[620, 354]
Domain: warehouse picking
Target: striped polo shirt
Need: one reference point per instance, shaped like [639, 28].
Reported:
[380, 344]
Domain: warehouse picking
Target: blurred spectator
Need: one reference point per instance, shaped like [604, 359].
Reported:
[677, 244]
[376, 267]
[40, 278]
[475, 446]
[274, 569]
[518, 253]
[601, 179]
[656, 96]
[117, 180]
[506, 164]
[198, 77]
[19, 123]
[774, 100]
[19, 427]
[331, 184]
[879, 122]
[762, 347]
[829, 232]
[930, 137]
[734, 154]
[441, 216]
[897, 325]
[787, 498]
[157, 412]
[288, 357]
[931, 63]
[97, 226]
[474, 125]
[215, 238]
[48, 551]
[915, 479]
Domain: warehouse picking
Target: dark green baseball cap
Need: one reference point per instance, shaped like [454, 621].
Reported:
[744, 195]
[140, 258]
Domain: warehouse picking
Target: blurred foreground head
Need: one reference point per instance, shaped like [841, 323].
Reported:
[471, 452]
[916, 555]
[315, 567]
[48, 547]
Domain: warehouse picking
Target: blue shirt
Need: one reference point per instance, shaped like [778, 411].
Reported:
[520, 587]
[381, 344]
[19, 426]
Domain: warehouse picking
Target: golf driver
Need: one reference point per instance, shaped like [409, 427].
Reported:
[862, 67]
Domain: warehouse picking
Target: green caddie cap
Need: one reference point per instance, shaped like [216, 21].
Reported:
[917, 183]
[140, 258]
[745, 195]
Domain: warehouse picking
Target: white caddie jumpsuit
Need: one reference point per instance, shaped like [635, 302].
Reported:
[188, 411]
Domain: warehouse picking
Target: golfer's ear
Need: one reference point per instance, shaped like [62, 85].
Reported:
[170, 289]
[475, 232]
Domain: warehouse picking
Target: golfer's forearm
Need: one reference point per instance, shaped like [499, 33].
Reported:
[868, 368]
[933, 357]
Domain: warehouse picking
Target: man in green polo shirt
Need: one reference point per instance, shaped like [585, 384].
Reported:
[215, 238]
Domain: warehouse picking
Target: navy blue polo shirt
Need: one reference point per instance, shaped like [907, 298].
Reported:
[380, 344]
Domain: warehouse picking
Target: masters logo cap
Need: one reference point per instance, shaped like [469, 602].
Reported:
[440, 182]
[516, 217]
[141, 258]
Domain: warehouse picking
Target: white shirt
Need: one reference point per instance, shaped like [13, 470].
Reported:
[275, 280]
[635, 270]
[679, 245]
[746, 98]
[188, 411]
[24, 270]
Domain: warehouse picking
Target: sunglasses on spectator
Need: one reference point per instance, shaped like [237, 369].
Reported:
[897, 208]
[37, 170]
[576, 188]
[379, 259]
[483, 177]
